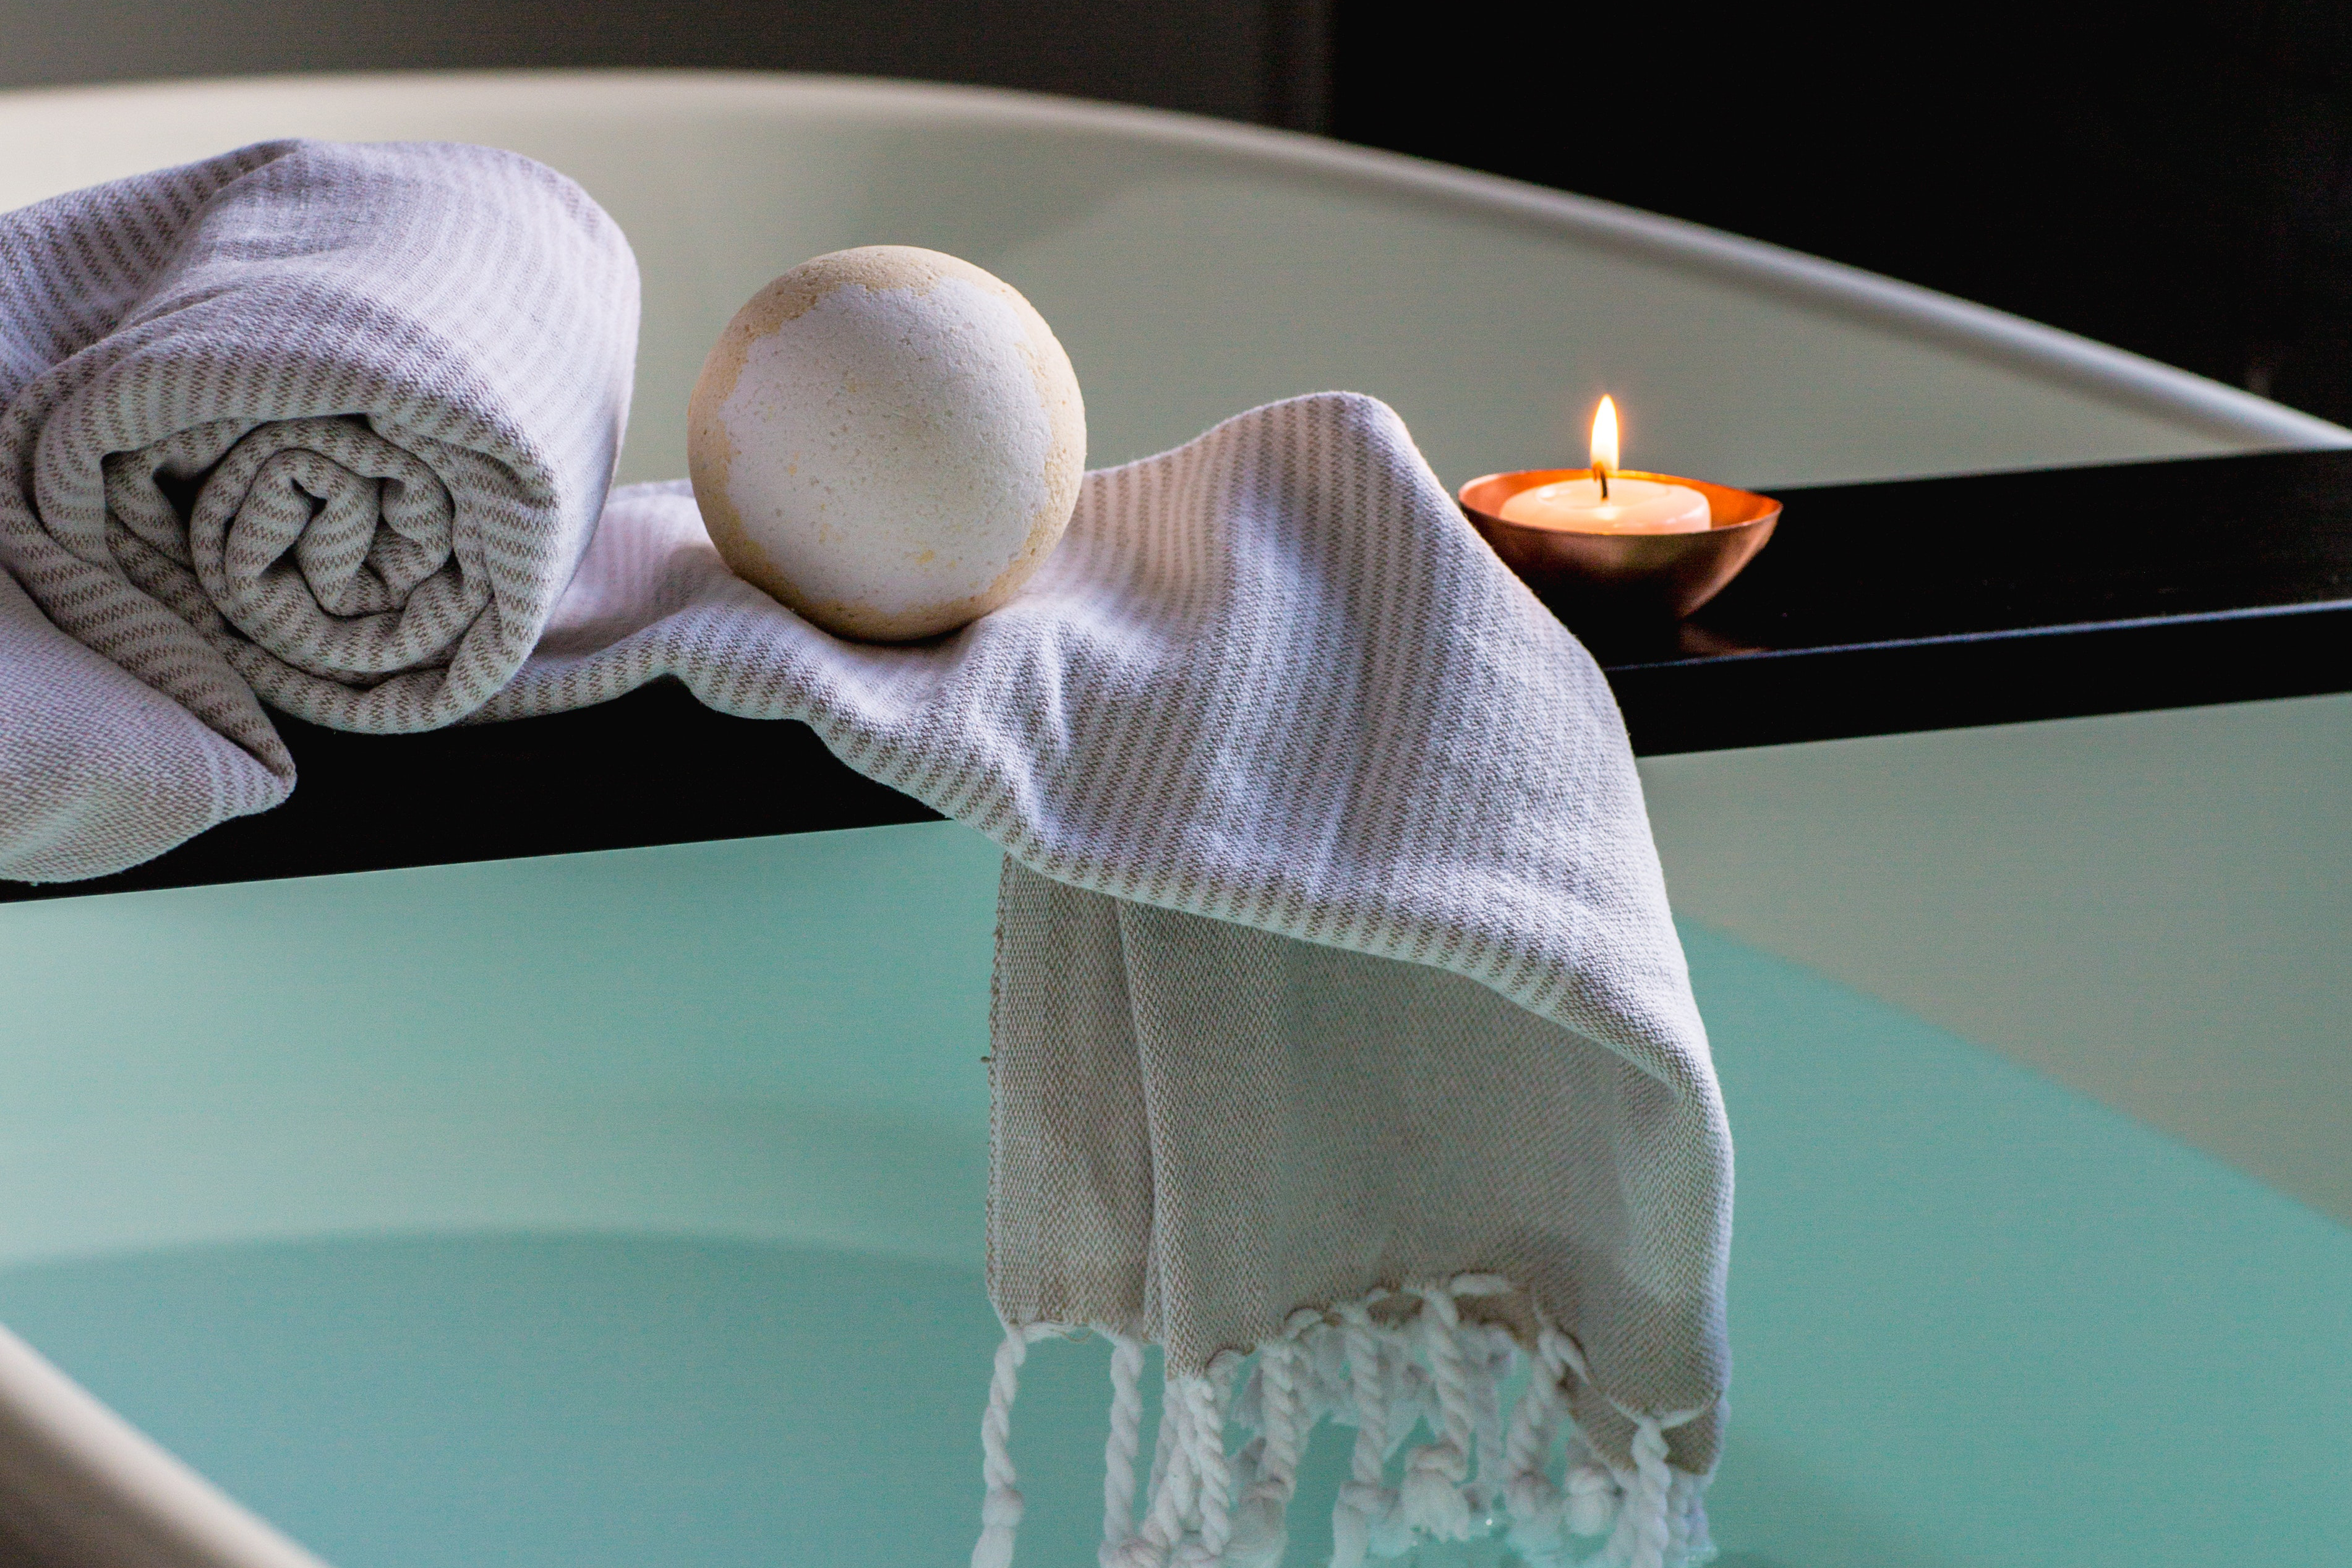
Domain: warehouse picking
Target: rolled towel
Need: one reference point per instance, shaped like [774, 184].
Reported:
[325, 426]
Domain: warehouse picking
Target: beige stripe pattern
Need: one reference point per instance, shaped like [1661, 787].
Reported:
[325, 426]
[1343, 1045]
[1334, 956]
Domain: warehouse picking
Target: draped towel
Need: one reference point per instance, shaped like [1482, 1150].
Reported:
[1342, 1043]
[1341, 1027]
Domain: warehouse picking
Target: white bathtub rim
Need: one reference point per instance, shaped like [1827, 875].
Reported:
[2110, 374]
[91, 1486]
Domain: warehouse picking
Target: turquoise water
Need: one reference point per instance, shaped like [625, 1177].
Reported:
[572, 1399]
[680, 1263]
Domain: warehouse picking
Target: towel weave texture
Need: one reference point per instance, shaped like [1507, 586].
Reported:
[1338, 1003]
[325, 425]
[1342, 1043]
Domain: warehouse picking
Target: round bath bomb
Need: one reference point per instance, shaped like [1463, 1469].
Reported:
[889, 440]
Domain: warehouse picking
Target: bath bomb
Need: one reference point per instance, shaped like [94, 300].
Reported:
[889, 440]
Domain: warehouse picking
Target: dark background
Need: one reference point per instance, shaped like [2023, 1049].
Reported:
[2177, 181]
[1245, 59]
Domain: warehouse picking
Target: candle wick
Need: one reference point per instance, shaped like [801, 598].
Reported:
[1600, 472]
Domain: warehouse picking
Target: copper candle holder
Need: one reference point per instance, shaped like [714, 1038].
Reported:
[1624, 577]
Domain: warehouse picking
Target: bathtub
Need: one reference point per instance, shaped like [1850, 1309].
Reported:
[626, 1206]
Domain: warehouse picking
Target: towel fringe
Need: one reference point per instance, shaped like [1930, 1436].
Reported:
[1121, 1446]
[1000, 1510]
[1382, 1365]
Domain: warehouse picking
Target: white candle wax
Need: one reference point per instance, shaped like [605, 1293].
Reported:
[1634, 507]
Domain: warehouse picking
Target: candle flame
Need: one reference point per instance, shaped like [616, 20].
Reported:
[1604, 438]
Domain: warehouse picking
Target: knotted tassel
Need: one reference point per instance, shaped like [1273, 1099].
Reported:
[1432, 1499]
[1121, 1447]
[1364, 1503]
[1204, 1399]
[1533, 1502]
[1000, 1510]
[1261, 1530]
[1593, 1500]
[1645, 1530]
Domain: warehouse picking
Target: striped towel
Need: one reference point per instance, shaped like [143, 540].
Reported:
[1343, 1046]
[318, 426]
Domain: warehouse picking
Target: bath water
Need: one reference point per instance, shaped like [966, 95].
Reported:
[578, 1401]
[516, 1236]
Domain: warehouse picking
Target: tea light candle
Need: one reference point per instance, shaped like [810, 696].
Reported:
[1606, 502]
